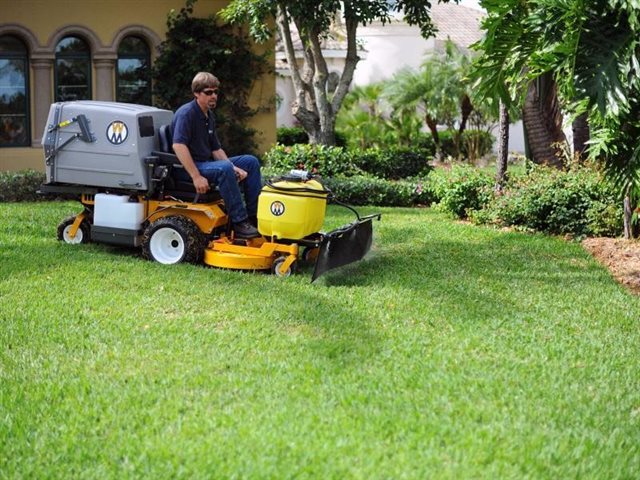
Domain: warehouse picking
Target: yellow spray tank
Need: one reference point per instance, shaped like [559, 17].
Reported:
[292, 208]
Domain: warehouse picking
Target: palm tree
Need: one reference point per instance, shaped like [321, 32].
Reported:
[591, 52]
[437, 91]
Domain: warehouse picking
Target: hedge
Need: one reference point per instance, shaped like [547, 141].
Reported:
[578, 202]
[391, 163]
[21, 186]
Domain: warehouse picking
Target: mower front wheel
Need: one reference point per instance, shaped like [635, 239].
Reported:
[82, 234]
[173, 239]
[277, 263]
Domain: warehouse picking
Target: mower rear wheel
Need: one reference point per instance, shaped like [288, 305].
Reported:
[310, 254]
[276, 267]
[82, 234]
[173, 239]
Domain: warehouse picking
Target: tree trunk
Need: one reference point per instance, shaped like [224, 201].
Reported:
[466, 107]
[313, 108]
[628, 214]
[433, 128]
[503, 148]
[581, 136]
[543, 122]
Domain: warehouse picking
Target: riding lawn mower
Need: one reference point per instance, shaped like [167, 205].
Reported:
[117, 158]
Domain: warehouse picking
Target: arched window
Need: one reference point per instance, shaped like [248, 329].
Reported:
[73, 70]
[133, 81]
[14, 101]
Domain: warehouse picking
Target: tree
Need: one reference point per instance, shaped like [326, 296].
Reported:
[591, 50]
[438, 90]
[195, 44]
[315, 107]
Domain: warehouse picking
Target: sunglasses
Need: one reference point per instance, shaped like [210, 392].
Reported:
[210, 91]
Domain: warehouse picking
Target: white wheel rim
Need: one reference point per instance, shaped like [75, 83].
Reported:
[277, 271]
[66, 235]
[167, 246]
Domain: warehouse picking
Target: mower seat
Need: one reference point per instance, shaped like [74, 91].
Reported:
[172, 186]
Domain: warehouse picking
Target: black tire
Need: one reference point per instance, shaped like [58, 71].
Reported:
[310, 255]
[173, 239]
[83, 235]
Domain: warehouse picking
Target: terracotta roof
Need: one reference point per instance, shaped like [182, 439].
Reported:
[460, 24]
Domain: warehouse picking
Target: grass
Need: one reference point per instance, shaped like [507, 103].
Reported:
[453, 351]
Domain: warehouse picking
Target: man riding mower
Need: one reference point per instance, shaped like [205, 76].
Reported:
[117, 159]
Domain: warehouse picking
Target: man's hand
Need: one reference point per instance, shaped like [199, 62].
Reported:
[240, 173]
[201, 184]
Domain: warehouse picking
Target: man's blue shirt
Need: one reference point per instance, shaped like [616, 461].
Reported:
[196, 130]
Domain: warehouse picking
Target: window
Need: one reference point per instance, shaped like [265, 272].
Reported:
[14, 102]
[73, 70]
[133, 84]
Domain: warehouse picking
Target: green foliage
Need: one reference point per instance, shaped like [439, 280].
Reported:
[577, 202]
[20, 186]
[367, 190]
[393, 163]
[326, 161]
[591, 48]
[200, 44]
[289, 136]
[462, 189]
[316, 16]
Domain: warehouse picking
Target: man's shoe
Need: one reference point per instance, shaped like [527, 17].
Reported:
[245, 230]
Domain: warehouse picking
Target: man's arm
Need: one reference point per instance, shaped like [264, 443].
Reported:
[184, 155]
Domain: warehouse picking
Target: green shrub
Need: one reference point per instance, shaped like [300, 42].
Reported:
[393, 163]
[476, 143]
[326, 161]
[289, 136]
[461, 189]
[20, 186]
[365, 190]
[577, 202]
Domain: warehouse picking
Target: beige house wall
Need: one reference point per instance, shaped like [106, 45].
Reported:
[42, 23]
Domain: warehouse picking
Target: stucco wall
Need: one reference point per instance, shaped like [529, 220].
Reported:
[42, 23]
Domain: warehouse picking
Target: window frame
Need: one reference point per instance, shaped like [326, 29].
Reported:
[73, 56]
[24, 56]
[148, 97]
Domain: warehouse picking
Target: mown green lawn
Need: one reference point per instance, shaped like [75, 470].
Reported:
[453, 351]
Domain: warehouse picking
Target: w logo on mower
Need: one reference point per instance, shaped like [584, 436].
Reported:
[117, 132]
[277, 208]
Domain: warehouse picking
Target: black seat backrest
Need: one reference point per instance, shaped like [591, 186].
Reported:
[181, 189]
[166, 138]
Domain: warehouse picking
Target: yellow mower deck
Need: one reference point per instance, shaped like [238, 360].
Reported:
[224, 252]
[255, 254]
